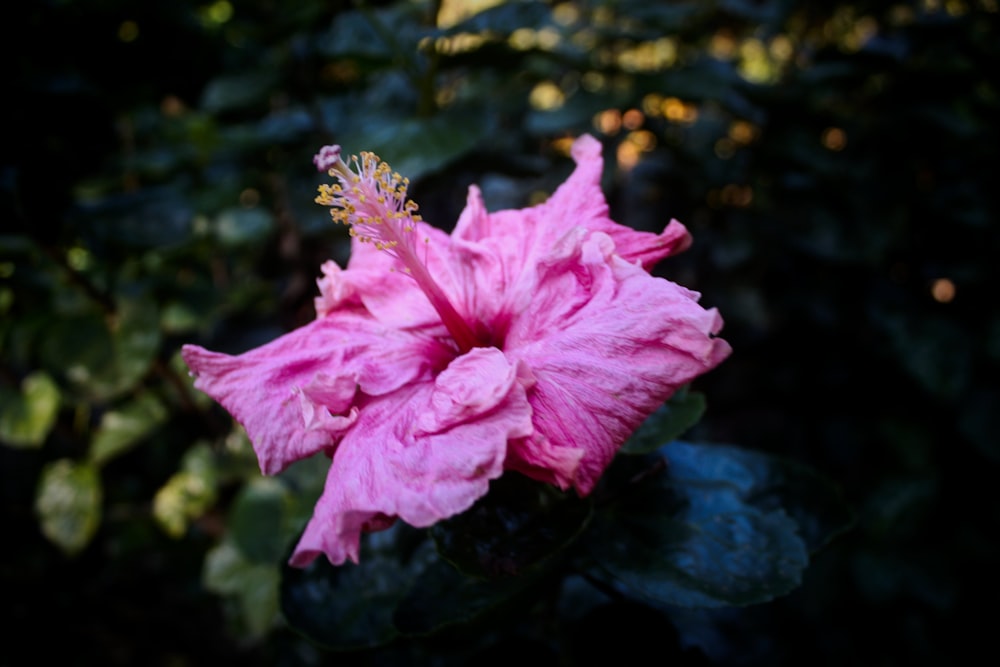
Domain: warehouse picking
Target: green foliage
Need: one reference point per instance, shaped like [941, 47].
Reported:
[669, 422]
[518, 525]
[124, 428]
[254, 587]
[703, 533]
[69, 504]
[29, 415]
[836, 166]
[189, 493]
[715, 526]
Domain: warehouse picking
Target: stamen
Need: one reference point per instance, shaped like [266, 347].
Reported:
[370, 198]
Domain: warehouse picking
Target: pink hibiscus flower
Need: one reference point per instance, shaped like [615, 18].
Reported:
[532, 340]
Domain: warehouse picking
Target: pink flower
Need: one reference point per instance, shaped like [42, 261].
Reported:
[531, 340]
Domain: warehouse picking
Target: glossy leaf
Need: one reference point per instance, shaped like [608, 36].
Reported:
[444, 597]
[700, 527]
[26, 417]
[401, 588]
[68, 504]
[517, 524]
[352, 606]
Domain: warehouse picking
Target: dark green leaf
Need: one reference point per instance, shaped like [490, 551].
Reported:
[352, 606]
[121, 429]
[154, 217]
[254, 586]
[400, 588]
[257, 520]
[668, 423]
[239, 91]
[443, 597]
[80, 347]
[379, 34]
[708, 529]
[416, 147]
[517, 524]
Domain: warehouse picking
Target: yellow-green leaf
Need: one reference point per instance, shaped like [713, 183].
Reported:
[26, 418]
[68, 503]
[188, 493]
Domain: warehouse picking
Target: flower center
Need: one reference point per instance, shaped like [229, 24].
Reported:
[370, 198]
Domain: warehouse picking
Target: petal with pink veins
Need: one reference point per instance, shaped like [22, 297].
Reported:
[421, 454]
[294, 395]
[607, 344]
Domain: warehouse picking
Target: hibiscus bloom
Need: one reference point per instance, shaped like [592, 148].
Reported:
[530, 340]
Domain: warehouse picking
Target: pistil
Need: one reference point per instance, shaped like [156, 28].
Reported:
[371, 200]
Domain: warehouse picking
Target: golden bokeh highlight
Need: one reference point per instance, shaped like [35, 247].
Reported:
[742, 132]
[943, 290]
[677, 111]
[453, 12]
[834, 139]
[608, 122]
[649, 56]
[546, 96]
[630, 150]
[633, 119]
[566, 13]
[723, 45]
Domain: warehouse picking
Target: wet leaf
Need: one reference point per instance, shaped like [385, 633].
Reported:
[711, 525]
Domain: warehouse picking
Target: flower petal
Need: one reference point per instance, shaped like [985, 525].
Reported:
[422, 453]
[579, 202]
[294, 395]
[607, 344]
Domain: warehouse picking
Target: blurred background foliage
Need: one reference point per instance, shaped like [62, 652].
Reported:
[835, 162]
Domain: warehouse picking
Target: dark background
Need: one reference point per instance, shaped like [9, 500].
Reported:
[835, 163]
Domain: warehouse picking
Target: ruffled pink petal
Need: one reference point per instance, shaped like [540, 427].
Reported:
[336, 290]
[295, 396]
[607, 344]
[579, 202]
[423, 453]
